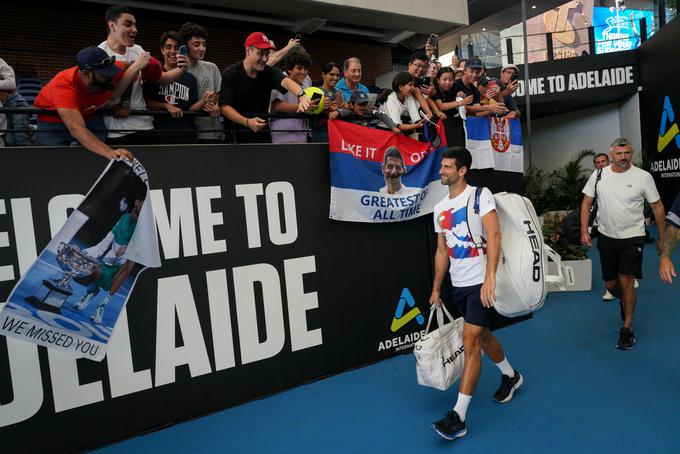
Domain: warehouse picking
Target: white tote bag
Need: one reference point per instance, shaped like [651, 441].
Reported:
[439, 354]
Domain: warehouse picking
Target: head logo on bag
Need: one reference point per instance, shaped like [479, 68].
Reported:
[536, 249]
[400, 319]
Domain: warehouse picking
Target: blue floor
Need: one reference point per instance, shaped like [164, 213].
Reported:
[580, 394]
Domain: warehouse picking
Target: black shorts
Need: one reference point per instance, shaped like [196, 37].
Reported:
[620, 256]
[468, 301]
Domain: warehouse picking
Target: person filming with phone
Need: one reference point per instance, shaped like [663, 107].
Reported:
[509, 82]
[176, 97]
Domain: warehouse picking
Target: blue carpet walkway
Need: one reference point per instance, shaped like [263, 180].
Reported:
[580, 394]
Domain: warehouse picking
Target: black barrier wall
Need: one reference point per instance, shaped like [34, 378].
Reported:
[660, 109]
[258, 290]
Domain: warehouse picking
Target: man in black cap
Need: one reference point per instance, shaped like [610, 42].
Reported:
[466, 85]
[359, 113]
[76, 95]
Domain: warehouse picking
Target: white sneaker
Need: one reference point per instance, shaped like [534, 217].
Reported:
[98, 314]
[82, 304]
[607, 296]
[636, 285]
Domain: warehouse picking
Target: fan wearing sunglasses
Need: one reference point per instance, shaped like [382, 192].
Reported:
[76, 95]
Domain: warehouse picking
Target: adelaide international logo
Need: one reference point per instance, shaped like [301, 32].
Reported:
[400, 318]
[666, 136]
[405, 313]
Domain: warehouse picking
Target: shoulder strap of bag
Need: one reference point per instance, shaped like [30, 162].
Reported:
[558, 279]
[441, 310]
[473, 209]
[597, 180]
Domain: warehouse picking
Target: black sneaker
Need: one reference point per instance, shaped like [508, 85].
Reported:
[450, 427]
[626, 339]
[508, 387]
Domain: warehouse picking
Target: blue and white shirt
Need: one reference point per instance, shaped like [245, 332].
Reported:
[467, 261]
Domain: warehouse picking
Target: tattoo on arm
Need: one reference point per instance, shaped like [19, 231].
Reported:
[670, 241]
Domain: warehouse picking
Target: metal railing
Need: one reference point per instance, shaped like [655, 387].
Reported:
[232, 129]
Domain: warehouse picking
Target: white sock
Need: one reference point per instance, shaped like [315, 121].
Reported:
[461, 405]
[505, 368]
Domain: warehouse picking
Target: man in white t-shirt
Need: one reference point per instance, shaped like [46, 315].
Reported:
[120, 43]
[621, 193]
[393, 168]
[473, 274]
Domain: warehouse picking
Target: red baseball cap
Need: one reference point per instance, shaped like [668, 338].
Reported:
[153, 71]
[259, 40]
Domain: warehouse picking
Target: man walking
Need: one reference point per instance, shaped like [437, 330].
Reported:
[621, 193]
[473, 275]
[666, 268]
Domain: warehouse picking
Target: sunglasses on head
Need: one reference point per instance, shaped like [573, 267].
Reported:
[108, 61]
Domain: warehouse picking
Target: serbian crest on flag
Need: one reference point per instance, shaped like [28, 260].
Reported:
[379, 176]
[495, 143]
[500, 134]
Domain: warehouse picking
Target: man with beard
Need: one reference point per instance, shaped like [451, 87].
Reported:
[621, 193]
[246, 89]
[76, 95]
[393, 169]
[472, 269]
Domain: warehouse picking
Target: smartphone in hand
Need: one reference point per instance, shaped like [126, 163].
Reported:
[182, 50]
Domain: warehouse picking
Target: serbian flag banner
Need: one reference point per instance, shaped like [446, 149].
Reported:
[379, 176]
[495, 143]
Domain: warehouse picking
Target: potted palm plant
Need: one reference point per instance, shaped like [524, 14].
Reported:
[560, 196]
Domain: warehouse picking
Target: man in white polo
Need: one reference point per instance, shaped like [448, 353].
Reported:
[621, 193]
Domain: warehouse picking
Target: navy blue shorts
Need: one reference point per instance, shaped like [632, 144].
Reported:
[468, 301]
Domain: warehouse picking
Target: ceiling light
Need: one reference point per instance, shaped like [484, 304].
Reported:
[483, 29]
[533, 6]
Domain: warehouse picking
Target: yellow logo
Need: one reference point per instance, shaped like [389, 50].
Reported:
[666, 136]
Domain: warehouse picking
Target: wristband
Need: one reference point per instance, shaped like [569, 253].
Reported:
[301, 94]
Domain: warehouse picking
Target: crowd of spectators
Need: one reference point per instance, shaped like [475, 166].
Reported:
[92, 102]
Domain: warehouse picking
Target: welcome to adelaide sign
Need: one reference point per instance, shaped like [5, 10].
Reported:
[245, 303]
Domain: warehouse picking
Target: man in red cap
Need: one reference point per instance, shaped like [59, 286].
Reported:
[76, 94]
[247, 86]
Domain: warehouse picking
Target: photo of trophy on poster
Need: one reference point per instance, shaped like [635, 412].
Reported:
[71, 297]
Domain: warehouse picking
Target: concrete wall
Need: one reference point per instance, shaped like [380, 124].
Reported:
[454, 11]
[50, 36]
[556, 139]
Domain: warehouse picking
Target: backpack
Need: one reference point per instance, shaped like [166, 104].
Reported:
[522, 277]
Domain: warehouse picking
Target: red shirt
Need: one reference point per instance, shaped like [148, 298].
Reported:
[67, 91]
